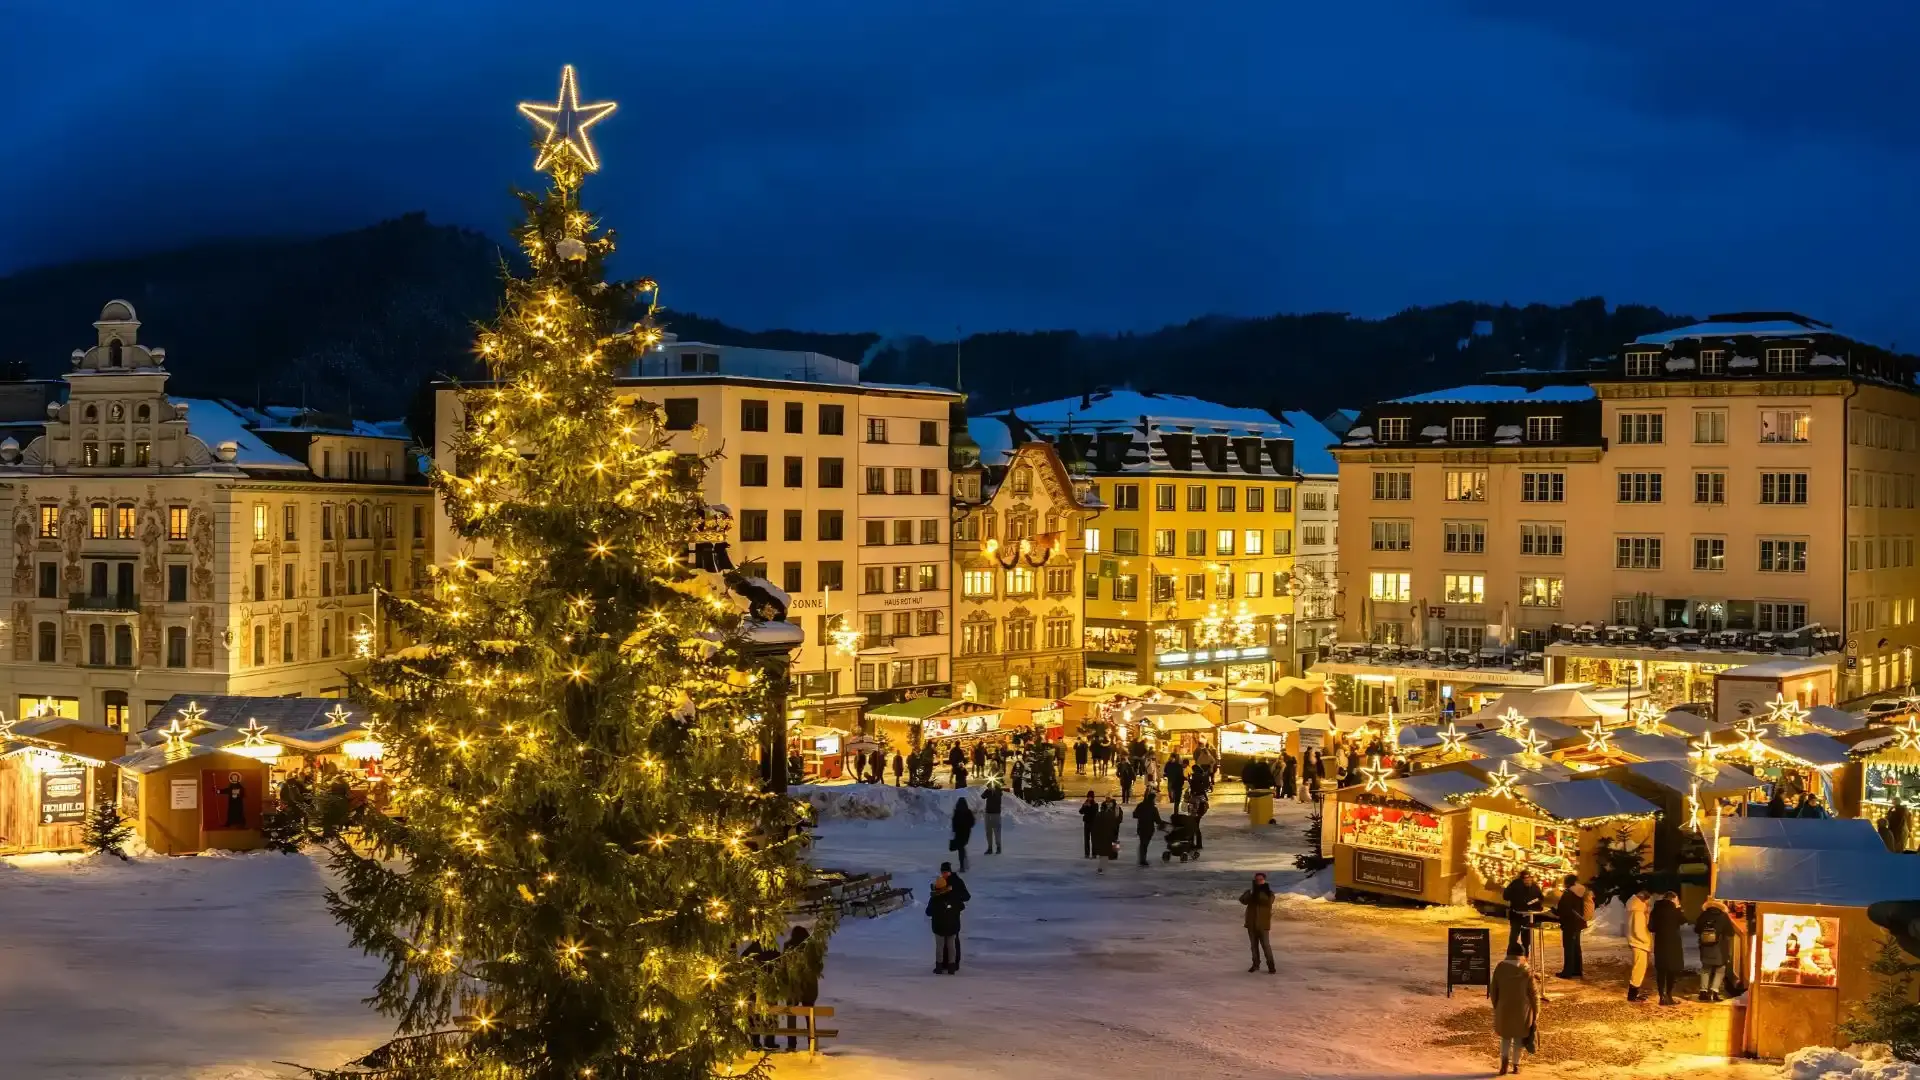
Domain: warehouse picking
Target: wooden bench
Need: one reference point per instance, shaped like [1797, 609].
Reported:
[765, 1027]
[855, 894]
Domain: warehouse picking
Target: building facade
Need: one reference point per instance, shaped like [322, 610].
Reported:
[1722, 494]
[1314, 584]
[1018, 568]
[164, 545]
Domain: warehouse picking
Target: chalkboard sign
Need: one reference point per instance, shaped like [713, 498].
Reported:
[63, 794]
[1469, 957]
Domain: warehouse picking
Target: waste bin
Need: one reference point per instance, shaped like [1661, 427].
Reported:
[1260, 806]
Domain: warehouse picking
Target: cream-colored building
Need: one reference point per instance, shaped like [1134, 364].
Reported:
[839, 494]
[1314, 583]
[162, 545]
[1018, 560]
[1722, 494]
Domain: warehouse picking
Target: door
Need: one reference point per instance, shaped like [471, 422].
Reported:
[97, 580]
[123, 585]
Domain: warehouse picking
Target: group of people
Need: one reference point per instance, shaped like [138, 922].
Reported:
[963, 821]
[800, 979]
[1310, 775]
[1098, 753]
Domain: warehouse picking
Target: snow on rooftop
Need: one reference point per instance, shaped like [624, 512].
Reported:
[1130, 407]
[1487, 393]
[1311, 440]
[993, 438]
[213, 423]
[1762, 328]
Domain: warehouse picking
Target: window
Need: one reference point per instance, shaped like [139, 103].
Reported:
[876, 429]
[831, 576]
[1542, 592]
[1224, 499]
[97, 645]
[1783, 488]
[930, 530]
[1466, 588]
[123, 521]
[1710, 488]
[1393, 485]
[1543, 487]
[50, 580]
[1254, 543]
[927, 578]
[176, 646]
[1092, 542]
[1392, 535]
[123, 646]
[1393, 428]
[1390, 586]
[1162, 588]
[1785, 425]
[1256, 581]
[876, 481]
[1020, 581]
[1060, 633]
[1639, 487]
[1283, 541]
[753, 470]
[97, 521]
[753, 525]
[929, 433]
[833, 419]
[286, 644]
[143, 453]
[903, 531]
[1786, 360]
[116, 454]
[976, 639]
[1125, 541]
[682, 413]
[1465, 537]
[259, 645]
[90, 453]
[1257, 499]
[1125, 496]
[177, 583]
[796, 418]
[326, 521]
[1163, 496]
[832, 472]
[1542, 538]
[903, 579]
[1780, 617]
[790, 581]
[47, 644]
[1469, 486]
[1282, 500]
[1544, 429]
[1709, 553]
[1713, 361]
[1223, 542]
[1163, 542]
[1709, 426]
[1196, 542]
[1467, 429]
[929, 482]
[1783, 556]
[793, 472]
[1059, 581]
[259, 581]
[1636, 553]
[286, 580]
[832, 525]
[1126, 587]
[790, 524]
[977, 584]
[1196, 497]
[1643, 427]
[1641, 365]
[1196, 586]
[753, 415]
[326, 579]
[927, 622]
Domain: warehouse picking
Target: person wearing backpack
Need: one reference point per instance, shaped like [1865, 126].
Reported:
[1575, 912]
[1714, 928]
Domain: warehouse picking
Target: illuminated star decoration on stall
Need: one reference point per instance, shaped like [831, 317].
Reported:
[1500, 781]
[1646, 718]
[192, 714]
[1785, 715]
[1377, 776]
[1907, 736]
[6, 726]
[253, 734]
[1750, 731]
[566, 122]
[1703, 753]
[1531, 744]
[1512, 724]
[1693, 807]
[1451, 740]
[253, 742]
[338, 715]
[176, 736]
[1599, 739]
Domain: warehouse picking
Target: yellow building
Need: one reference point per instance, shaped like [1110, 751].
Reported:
[1718, 495]
[1188, 569]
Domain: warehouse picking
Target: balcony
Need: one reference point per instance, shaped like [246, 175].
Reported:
[128, 603]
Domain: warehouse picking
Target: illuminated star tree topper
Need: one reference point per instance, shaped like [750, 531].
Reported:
[565, 124]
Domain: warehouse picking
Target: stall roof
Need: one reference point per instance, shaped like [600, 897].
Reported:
[1033, 704]
[154, 757]
[1779, 669]
[38, 726]
[1722, 780]
[1493, 744]
[1777, 875]
[1277, 725]
[1835, 720]
[1583, 800]
[1693, 724]
[1830, 834]
[917, 708]
[1650, 747]
[1539, 769]
[1820, 751]
[10, 747]
[1554, 704]
[1182, 720]
[1417, 736]
[1437, 790]
[311, 724]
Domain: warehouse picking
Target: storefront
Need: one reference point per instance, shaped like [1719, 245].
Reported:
[1552, 829]
[905, 725]
[1667, 680]
[53, 770]
[1402, 836]
[1372, 688]
[821, 751]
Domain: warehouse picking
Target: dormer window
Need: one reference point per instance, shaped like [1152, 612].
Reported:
[90, 414]
[1786, 361]
[116, 412]
[113, 353]
[1642, 364]
[1394, 428]
[142, 413]
[1713, 361]
[1467, 429]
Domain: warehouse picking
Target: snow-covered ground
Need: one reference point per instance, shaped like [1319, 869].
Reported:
[217, 968]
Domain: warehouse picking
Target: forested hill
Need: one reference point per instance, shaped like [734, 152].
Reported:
[361, 320]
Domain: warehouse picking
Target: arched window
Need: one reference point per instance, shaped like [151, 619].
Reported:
[90, 414]
[113, 353]
[123, 646]
[97, 645]
[142, 413]
[116, 412]
[49, 643]
[176, 646]
[353, 524]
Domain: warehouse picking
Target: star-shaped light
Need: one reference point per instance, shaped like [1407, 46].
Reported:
[1512, 723]
[253, 734]
[1703, 753]
[1749, 727]
[176, 736]
[1750, 746]
[192, 714]
[566, 122]
[1693, 807]
[6, 726]
[1907, 736]
[1785, 715]
[1599, 739]
[338, 714]
[1531, 744]
[1646, 717]
[1377, 776]
[1451, 740]
[1500, 781]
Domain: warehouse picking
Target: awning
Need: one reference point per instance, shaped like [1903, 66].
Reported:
[1436, 674]
[1180, 721]
[1814, 876]
[1829, 834]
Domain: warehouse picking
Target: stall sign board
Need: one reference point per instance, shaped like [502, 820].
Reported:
[1469, 956]
[184, 795]
[63, 795]
[1312, 739]
[1397, 872]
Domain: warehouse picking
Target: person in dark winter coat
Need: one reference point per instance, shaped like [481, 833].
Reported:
[1777, 806]
[943, 907]
[1176, 774]
[1574, 910]
[1124, 771]
[979, 757]
[959, 776]
[1106, 841]
[1089, 822]
[1669, 951]
[990, 800]
[1196, 809]
[962, 830]
[1714, 929]
[1079, 759]
[1146, 819]
[1287, 767]
[899, 768]
[1525, 902]
[765, 957]
[1515, 996]
[1810, 808]
[1259, 920]
[803, 974]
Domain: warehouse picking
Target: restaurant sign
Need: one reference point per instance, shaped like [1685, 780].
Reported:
[63, 795]
[1397, 872]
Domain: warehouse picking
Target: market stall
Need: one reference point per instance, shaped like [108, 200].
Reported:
[1402, 836]
[1174, 727]
[1694, 801]
[1046, 715]
[1751, 689]
[905, 725]
[1809, 941]
[1243, 740]
[53, 769]
[1807, 764]
[293, 736]
[187, 796]
[821, 750]
[1553, 829]
[1831, 834]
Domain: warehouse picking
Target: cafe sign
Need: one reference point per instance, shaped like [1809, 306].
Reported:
[63, 795]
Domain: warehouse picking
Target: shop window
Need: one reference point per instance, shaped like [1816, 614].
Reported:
[1799, 950]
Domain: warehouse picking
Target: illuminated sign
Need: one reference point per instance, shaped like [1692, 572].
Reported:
[1204, 656]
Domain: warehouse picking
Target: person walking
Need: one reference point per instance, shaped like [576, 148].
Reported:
[1525, 901]
[1515, 996]
[990, 800]
[1146, 819]
[1079, 758]
[1152, 778]
[1640, 940]
[1089, 822]
[943, 908]
[1124, 771]
[962, 830]
[899, 768]
[1106, 840]
[1575, 912]
[1019, 779]
[1197, 807]
[1285, 776]
[1714, 933]
[979, 757]
[1259, 920]
[1669, 951]
[803, 975]
[1176, 773]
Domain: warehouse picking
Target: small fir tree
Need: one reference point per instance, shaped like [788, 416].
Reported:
[1311, 858]
[1621, 871]
[1889, 1014]
[579, 847]
[1042, 783]
[106, 831]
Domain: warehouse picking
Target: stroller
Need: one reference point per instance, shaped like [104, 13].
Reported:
[1180, 839]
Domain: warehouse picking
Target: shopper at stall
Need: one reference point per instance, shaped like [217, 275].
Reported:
[1525, 902]
[943, 908]
[990, 802]
[1899, 822]
[1669, 951]
[1715, 935]
[1574, 910]
[1515, 996]
[1639, 940]
[1176, 773]
[962, 830]
[1259, 920]
[1146, 819]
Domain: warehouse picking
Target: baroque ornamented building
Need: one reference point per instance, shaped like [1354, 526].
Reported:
[1727, 493]
[1020, 525]
[161, 545]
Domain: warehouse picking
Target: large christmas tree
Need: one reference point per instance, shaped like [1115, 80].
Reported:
[578, 850]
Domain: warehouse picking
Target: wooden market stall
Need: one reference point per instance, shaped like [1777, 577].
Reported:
[1693, 800]
[185, 797]
[1884, 771]
[820, 748]
[1243, 740]
[294, 736]
[1809, 941]
[53, 769]
[942, 721]
[1402, 836]
[1553, 829]
[1810, 763]
[1175, 726]
[1749, 690]
[1046, 715]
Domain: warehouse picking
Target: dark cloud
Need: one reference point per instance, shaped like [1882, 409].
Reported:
[909, 167]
